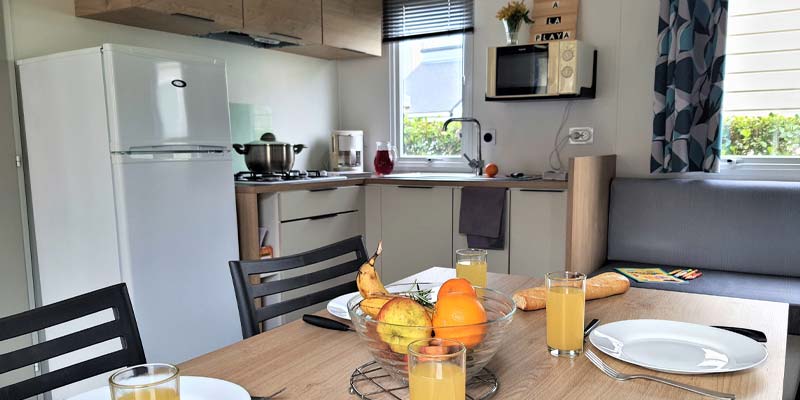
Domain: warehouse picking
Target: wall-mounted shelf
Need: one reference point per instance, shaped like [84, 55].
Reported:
[585, 92]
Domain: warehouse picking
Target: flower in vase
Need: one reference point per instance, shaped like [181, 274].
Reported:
[514, 12]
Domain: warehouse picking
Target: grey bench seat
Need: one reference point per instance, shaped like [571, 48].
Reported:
[743, 235]
[729, 284]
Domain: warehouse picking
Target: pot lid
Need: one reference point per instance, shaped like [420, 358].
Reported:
[268, 139]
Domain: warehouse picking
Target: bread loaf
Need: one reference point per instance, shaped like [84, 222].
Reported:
[598, 287]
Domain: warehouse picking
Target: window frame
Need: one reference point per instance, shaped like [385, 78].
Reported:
[757, 166]
[468, 137]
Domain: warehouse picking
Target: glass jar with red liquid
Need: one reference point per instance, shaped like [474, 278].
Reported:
[384, 158]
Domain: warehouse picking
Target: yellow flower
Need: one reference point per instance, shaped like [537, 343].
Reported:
[514, 10]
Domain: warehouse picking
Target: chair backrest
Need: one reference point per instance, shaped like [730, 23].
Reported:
[248, 291]
[123, 327]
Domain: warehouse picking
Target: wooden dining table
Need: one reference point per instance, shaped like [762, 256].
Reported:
[316, 363]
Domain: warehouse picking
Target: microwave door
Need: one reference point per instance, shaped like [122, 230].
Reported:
[522, 70]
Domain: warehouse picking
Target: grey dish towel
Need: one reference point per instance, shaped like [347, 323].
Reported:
[481, 217]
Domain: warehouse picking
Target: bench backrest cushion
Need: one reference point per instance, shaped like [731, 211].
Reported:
[741, 226]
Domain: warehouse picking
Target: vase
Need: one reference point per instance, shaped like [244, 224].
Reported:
[512, 31]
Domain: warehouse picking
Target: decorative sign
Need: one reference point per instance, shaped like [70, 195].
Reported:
[554, 20]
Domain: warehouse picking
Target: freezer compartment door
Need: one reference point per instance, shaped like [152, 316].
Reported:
[177, 222]
[154, 99]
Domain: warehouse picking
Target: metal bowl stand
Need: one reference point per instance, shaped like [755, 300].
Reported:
[371, 382]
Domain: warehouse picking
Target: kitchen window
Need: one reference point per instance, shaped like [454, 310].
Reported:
[431, 84]
[431, 81]
[761, 104]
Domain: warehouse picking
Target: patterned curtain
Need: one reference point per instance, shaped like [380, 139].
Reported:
[688, 86]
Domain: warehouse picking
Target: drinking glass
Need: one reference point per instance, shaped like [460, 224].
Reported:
[146, 382]
[471, 265]
[384, 158]
[566, 301]
[437, 369]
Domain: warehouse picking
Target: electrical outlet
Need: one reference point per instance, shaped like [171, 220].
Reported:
[581, 135]
[489, 136]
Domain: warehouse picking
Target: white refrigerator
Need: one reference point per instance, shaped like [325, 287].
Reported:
[129, 169]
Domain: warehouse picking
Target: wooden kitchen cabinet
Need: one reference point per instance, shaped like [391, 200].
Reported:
[350, 29]
[537, 232]
[294, 21]
[416, 229]
[188, 17]
[497, 260]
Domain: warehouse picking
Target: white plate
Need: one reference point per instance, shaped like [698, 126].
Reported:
[338, 306]
[678, 347]
[192, 388]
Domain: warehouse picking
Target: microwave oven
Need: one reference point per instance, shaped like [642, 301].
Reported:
[564, 68]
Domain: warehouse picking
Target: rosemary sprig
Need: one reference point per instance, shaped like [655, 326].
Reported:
[423, 297]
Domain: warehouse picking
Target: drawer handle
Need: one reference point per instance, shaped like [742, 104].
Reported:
[416, 187]
[542, 190]
[193, 17]
[323, 189]
[325, 216]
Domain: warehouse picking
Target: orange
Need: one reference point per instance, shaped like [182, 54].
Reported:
[491, 170]
[456, 318]
[456, 285]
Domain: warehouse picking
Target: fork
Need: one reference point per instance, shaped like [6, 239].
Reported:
[270, 397]
[624, 377]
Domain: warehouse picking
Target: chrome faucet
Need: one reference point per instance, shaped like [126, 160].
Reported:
[477, 163]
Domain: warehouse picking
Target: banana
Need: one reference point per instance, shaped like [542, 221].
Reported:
[368, 281]
[372, 305]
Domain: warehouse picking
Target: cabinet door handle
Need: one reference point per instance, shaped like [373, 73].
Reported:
[325, 216]
[323, 189]
[415, 187]
[287, 36]
[193, 17]
[354, 50]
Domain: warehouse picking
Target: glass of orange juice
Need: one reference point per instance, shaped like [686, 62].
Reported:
[437, 369]
[565, 304]
[146, 382]
[471, 265]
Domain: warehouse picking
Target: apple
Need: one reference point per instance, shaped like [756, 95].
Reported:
[402, 321]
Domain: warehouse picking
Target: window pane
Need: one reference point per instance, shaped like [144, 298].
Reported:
[761, 106]
[431, 90]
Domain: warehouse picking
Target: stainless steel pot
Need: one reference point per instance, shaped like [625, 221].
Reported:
[268, 155]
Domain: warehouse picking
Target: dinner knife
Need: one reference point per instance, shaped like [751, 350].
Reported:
[326, 323]
[758, 336]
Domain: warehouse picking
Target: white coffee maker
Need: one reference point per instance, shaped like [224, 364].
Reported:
[347, 151]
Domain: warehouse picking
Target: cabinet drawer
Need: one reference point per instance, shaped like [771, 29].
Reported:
[299, 204]
[311, 233]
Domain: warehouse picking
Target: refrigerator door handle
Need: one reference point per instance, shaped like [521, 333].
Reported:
[176, 148]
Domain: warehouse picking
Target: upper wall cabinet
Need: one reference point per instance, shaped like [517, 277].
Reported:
[189, 17]
[350, 28]
[293, 21]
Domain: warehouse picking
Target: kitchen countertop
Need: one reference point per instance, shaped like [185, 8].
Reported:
[432, 179]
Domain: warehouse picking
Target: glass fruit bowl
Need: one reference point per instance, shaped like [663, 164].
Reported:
[387, 342]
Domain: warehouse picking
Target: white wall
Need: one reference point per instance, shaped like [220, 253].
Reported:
[300, 91]
[13, 271]
[624, 32]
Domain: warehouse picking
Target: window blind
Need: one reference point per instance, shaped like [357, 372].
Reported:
[407, 19]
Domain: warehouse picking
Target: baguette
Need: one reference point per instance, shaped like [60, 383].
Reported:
[598, 287]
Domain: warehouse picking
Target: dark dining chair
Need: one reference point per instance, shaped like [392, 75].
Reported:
[123, 326]
[247, 292]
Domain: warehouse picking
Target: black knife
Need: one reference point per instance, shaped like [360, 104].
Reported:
[326, 323]
[758, 336]
[590, 327]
